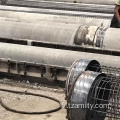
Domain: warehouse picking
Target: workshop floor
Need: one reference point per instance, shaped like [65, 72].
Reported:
[31, 103]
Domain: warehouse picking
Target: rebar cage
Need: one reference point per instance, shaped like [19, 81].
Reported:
[98, 88]
[105, 92]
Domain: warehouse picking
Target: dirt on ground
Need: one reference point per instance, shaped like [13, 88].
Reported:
[31, 103]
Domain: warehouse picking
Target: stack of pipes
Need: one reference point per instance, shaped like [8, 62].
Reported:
[46, 37]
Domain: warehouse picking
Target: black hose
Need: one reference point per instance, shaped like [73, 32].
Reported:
[33, 94]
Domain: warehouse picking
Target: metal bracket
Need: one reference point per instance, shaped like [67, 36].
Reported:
[25, 69]
[9, 62]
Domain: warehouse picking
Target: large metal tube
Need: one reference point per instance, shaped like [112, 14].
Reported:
[55, 12]
[23, 16]
[109, 2]
[112, 39]
[106, 38]
[44, 31]
[60, 33]
[65, 58]
[63, 6]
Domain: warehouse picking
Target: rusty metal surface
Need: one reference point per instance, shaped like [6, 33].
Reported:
[85, 35]
[103, 37]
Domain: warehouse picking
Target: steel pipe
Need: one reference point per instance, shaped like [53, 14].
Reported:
[44, 31]
[55, 12]
[112, 39]
[50, 56]
[61, 34]
[62, 6]
[23, 16]
[106, 38]
[108, 2]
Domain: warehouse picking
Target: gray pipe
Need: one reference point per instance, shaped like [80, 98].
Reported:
[52, 56]
[109, 2]
[23, 16]
[103, 2]
[60, 33]
[44, 31]
[63, 6]
[55, 12]
[106, 38]
[112, 39]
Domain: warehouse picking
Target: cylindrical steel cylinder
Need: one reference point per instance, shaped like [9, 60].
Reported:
[56, 57]
[106, 38]
[62, 6]
[56, 12]
[112, 39]
[109, 2]
[44, 31]
[34, 17]
[61, 34]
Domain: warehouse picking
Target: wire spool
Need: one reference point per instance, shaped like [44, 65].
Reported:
[78, 67]
[78, 98]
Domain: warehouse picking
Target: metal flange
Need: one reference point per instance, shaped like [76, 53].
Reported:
[77, 68]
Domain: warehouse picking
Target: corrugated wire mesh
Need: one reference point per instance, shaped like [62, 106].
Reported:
[104, 95]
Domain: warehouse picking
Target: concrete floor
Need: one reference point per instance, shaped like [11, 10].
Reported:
[31, 103]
